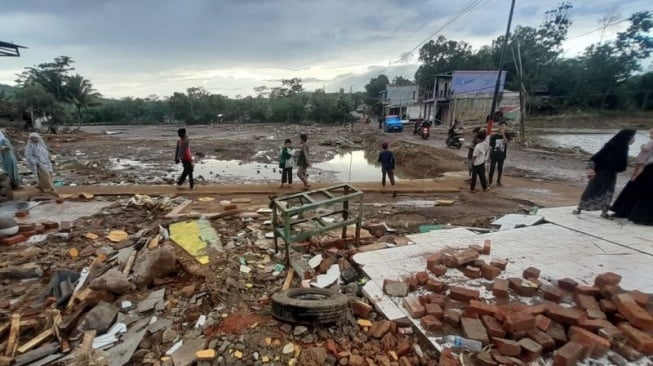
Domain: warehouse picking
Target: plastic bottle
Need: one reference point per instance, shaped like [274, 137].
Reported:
[460, 342]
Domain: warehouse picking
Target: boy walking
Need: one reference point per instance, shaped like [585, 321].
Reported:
[387, 160]
[286, 163]
[478, 162]
[183, 155]
[303, 161]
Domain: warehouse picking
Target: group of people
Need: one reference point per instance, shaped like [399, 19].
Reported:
[635, 202]
[483, 149]
[37, 157]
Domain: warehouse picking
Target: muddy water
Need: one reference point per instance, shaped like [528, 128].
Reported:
[353, 166]
[592, 142]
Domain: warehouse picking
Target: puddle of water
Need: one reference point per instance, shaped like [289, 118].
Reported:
[124, 164]
[592, 142]
[236, 170]
[354, 166]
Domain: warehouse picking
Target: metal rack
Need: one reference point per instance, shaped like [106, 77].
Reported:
[301, 208]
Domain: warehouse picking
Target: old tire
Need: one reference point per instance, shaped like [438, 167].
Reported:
[310, 305]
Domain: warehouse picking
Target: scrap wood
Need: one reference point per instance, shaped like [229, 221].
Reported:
[54, 317]
[175, 213]
[130, 263]
[288, 281]
[38, 354]
[154, 242]
[14, 332]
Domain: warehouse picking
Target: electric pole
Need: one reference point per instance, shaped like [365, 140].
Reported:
[498, 84]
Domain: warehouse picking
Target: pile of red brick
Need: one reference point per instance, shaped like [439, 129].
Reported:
[569, 322]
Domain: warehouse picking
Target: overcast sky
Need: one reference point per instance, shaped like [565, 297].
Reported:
[143, 47]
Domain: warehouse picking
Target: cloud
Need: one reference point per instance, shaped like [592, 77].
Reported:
[158, 46]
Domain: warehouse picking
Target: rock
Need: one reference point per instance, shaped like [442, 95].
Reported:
[24, 271]
[160, 262]
[313, 356]
[299, 330]
[169, 336]
[100, 318]
[113, 281]
[288, 348]
[351, 288]
[348, 275]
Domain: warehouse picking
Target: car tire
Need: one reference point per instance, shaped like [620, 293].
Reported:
[309, 306]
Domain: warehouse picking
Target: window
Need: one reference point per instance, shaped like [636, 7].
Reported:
[414, 95]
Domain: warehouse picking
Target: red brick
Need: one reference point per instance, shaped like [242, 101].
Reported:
[331, 347]
[609, 291]
[531, 350]
[448, 260]
[637, 316]
[435, 310]
[594, 325]
[463, 294]
[13, 240]
[413, 285]
[474, 329]
[607, 278]
[465, 256]
[567, 284]
[588, 290]
[500, 288]
[22, 213]
[433, 299]
[447, 358]
[595, 314]
[542, 322]
[50, 225]
[422, 278]
[480, 308]
[433, 260]
[403, 348]
[230, 207]
[499, 263]
[40, 229]
[490, 272]
[507, 347]
[596, 345]
[552, 293]
[431, 323]
[557, 332]
[627, 352]
[518, 321]
[414, 308]
[452, 317]
[477, 248]
[504, 360]
[493, 326]
[640, 298]
[487, 247]
[436, 286]
[567, 316]
[640, 341]
[531, 272]
[479, 263]
[66, 227]
[380, 328]
[522, 287]
[569, 355]
[28, 234]
[472, 272]
[438, 270]
[586, 302]
[543, 339]
[607, 306]
[535, 309]
[613, 334]
[26, 227]
[360, 308]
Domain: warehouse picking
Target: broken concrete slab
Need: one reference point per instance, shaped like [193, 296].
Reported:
[25, 271]
[100, 317]
[185, 355]
[121, 354]
[152, 301]
[113, 281]
[160, 324]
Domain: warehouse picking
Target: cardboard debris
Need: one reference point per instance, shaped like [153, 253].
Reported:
[117, 236]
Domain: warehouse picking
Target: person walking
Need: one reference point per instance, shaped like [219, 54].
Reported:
[286, 163]
[387, 160]
[602, 170]
[479, 156]
[498, 150]
[470, 152]
[635, 202]
[8, 160]
[184, 156]
[303, 161]
[38, 160]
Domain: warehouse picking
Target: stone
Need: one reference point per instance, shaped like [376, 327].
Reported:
[395, 288]
[531, 272]
[299, 330]
[100, 318]
[474, 329]
[169, 336]
[567, 284]
[569, 355]
[113, 281]
[380, 328]
[156, 263]
[607, 278]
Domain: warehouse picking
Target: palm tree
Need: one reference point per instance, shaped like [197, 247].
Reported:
[80, 93]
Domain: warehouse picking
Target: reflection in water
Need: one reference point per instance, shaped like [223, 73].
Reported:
[592, 142]
[354, 166]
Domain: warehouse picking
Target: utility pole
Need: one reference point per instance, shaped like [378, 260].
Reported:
[498, 84]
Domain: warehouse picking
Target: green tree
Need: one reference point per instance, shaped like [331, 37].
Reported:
[373, 89]
[442, 56]
[80, 93]
[50, 75]
[401, 81]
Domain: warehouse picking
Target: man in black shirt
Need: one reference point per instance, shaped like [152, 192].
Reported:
[498, 149]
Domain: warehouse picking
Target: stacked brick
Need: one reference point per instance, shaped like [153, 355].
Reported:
[565, 321]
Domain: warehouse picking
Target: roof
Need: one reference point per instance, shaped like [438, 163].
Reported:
[10, 49]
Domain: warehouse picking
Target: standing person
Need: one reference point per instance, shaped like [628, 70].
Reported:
[635, 202]
[602, 172]
[286, 163]
[498, 150]
[38, 160]
[303, 162]
[8, 160]
[470, 152]
[183, 155]
[387, 160]
[478, 162]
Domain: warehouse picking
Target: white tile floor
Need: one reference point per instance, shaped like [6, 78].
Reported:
[579, 247]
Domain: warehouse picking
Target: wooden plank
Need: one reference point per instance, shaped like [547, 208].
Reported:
[176, 211]
[36, 340]
[130, 263]
[87, 341]
[288, 281]
[14, 332]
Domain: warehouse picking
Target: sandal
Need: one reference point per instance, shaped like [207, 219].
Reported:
[607, 216]
[576, 212]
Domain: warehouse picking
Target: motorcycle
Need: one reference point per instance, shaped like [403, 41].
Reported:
[423, 128]
[455, 139]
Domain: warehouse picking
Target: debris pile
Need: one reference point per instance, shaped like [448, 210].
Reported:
[462, 301]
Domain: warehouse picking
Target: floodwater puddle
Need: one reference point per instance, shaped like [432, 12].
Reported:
[592, 142]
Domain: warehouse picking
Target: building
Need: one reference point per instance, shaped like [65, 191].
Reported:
[465, 96]
[402, 101]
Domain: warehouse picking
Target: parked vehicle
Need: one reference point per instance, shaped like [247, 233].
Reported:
[392, 123]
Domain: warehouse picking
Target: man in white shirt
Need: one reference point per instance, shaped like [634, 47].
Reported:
[479, 157]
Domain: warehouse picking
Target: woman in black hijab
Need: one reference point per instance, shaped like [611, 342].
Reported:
[602, 173]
